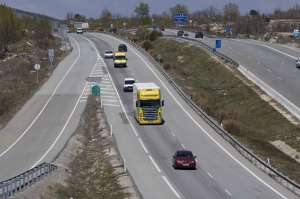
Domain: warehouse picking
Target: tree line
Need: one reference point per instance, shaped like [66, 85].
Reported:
[13, 29]
[251, 23]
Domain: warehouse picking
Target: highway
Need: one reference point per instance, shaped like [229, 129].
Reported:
[50, 117]
[274, 64]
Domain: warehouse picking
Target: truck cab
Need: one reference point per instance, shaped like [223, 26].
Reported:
[120, 59]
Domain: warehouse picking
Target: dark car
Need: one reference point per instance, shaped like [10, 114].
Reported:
[199, 35]
[180, 33]
[184, 159]
[122, 48]
[161, 28]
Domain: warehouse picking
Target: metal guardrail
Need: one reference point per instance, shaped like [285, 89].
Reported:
[265, 167]
[12, 186]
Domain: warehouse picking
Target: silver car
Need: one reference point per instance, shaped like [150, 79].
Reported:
[108, 54]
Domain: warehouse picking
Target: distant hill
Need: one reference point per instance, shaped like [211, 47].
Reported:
[22, 12]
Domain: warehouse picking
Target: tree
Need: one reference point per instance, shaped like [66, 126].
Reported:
[142, 10]
[10, 31]
[231, 11]
[69, 16]
[253, 13]
[106, 15]
[179, 8]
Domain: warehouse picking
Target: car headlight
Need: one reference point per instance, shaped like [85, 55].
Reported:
[192, 162]
[178, 161]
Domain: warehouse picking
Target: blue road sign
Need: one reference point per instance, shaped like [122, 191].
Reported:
[218, 43]
[154, 27]
[296, 33]
[180, 18]
[214, 50]
[227, 29]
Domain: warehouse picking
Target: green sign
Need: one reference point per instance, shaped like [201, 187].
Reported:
[96, 90]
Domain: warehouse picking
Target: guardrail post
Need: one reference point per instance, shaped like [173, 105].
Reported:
[18, 184]
[36, 173]
[10, 188]
[26, 178]
[31, 172]
[3, 184]
[21, 184]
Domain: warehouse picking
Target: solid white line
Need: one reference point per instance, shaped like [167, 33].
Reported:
[173, 133]
[182, 146]
[143, 145]
[217, 143]
[249, 57]
[154, 164]
[227, 192]
[209, 175]
[44, 105]
[83, 100]
[67, 122]
[279, 78]
[110, 105]
[178, 196]
[269, 70]
[121, 103]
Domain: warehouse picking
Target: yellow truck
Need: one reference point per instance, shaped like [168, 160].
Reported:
[147, 103]
[120, 59]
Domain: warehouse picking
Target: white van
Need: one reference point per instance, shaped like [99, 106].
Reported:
[79, 31]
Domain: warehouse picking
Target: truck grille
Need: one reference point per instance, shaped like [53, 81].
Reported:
[150, 113]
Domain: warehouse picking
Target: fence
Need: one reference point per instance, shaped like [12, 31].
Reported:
[272, 172]
[10, 187]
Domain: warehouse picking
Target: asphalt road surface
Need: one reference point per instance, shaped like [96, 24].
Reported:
[45, 123]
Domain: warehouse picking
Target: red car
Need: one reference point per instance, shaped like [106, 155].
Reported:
[161, 28]
[184, 159]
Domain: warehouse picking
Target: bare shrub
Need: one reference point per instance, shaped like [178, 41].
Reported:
[5, 102]
[147, 45]
[221, 115]
[231, 126]
[166, 66]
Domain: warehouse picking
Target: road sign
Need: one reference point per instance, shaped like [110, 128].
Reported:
[100, 24]
[96, 90]
[190, 21]
[180, 18]
[218, 43]
[111, 25]
[203, 27]
[37, 67]
[227, 29]
[152, 20]
[154, 27]
[296, 33]
[51, 55]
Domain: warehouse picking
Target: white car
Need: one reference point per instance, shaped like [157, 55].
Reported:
[79, 31]
[108, 54]
[185, 35]
[128, 84]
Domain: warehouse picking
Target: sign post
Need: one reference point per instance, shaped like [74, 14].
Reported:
[296, 33]
[37, 68]
[227, 30]
[190, 23]
[51, 55]
[124, 23]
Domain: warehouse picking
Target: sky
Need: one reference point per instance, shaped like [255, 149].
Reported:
[92, 8]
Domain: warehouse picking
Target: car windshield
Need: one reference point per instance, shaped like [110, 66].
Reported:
[129, 82]
[149, 103]
[186, 154]
[186, 34]
[120, 58]
[108, 52]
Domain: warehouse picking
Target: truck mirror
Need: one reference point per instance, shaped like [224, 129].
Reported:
[136, 104]
[162, 102]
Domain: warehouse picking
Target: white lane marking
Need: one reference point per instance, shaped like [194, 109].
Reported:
[44, 105]
[239, 52]
[67, 122]
[83, 100]
[279, 78]
[108, 96]
[260, 52]
[269, 70]
[143, 145]
[173, 134]
[294, 70]
[154, 164]
[230, 47]
[281, 62]
[227, 192]
[249, 57]
[108, 92]
[175, 192]
[107, 100]
[209, 175]
[269, 48]
[182, 146]
[110, 105]
[272, 57]
[84, 97]
[217, 143]
[259, 63]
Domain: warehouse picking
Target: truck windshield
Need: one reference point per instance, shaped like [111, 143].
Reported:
[149, 103]
[120, 57]
[129, 82]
